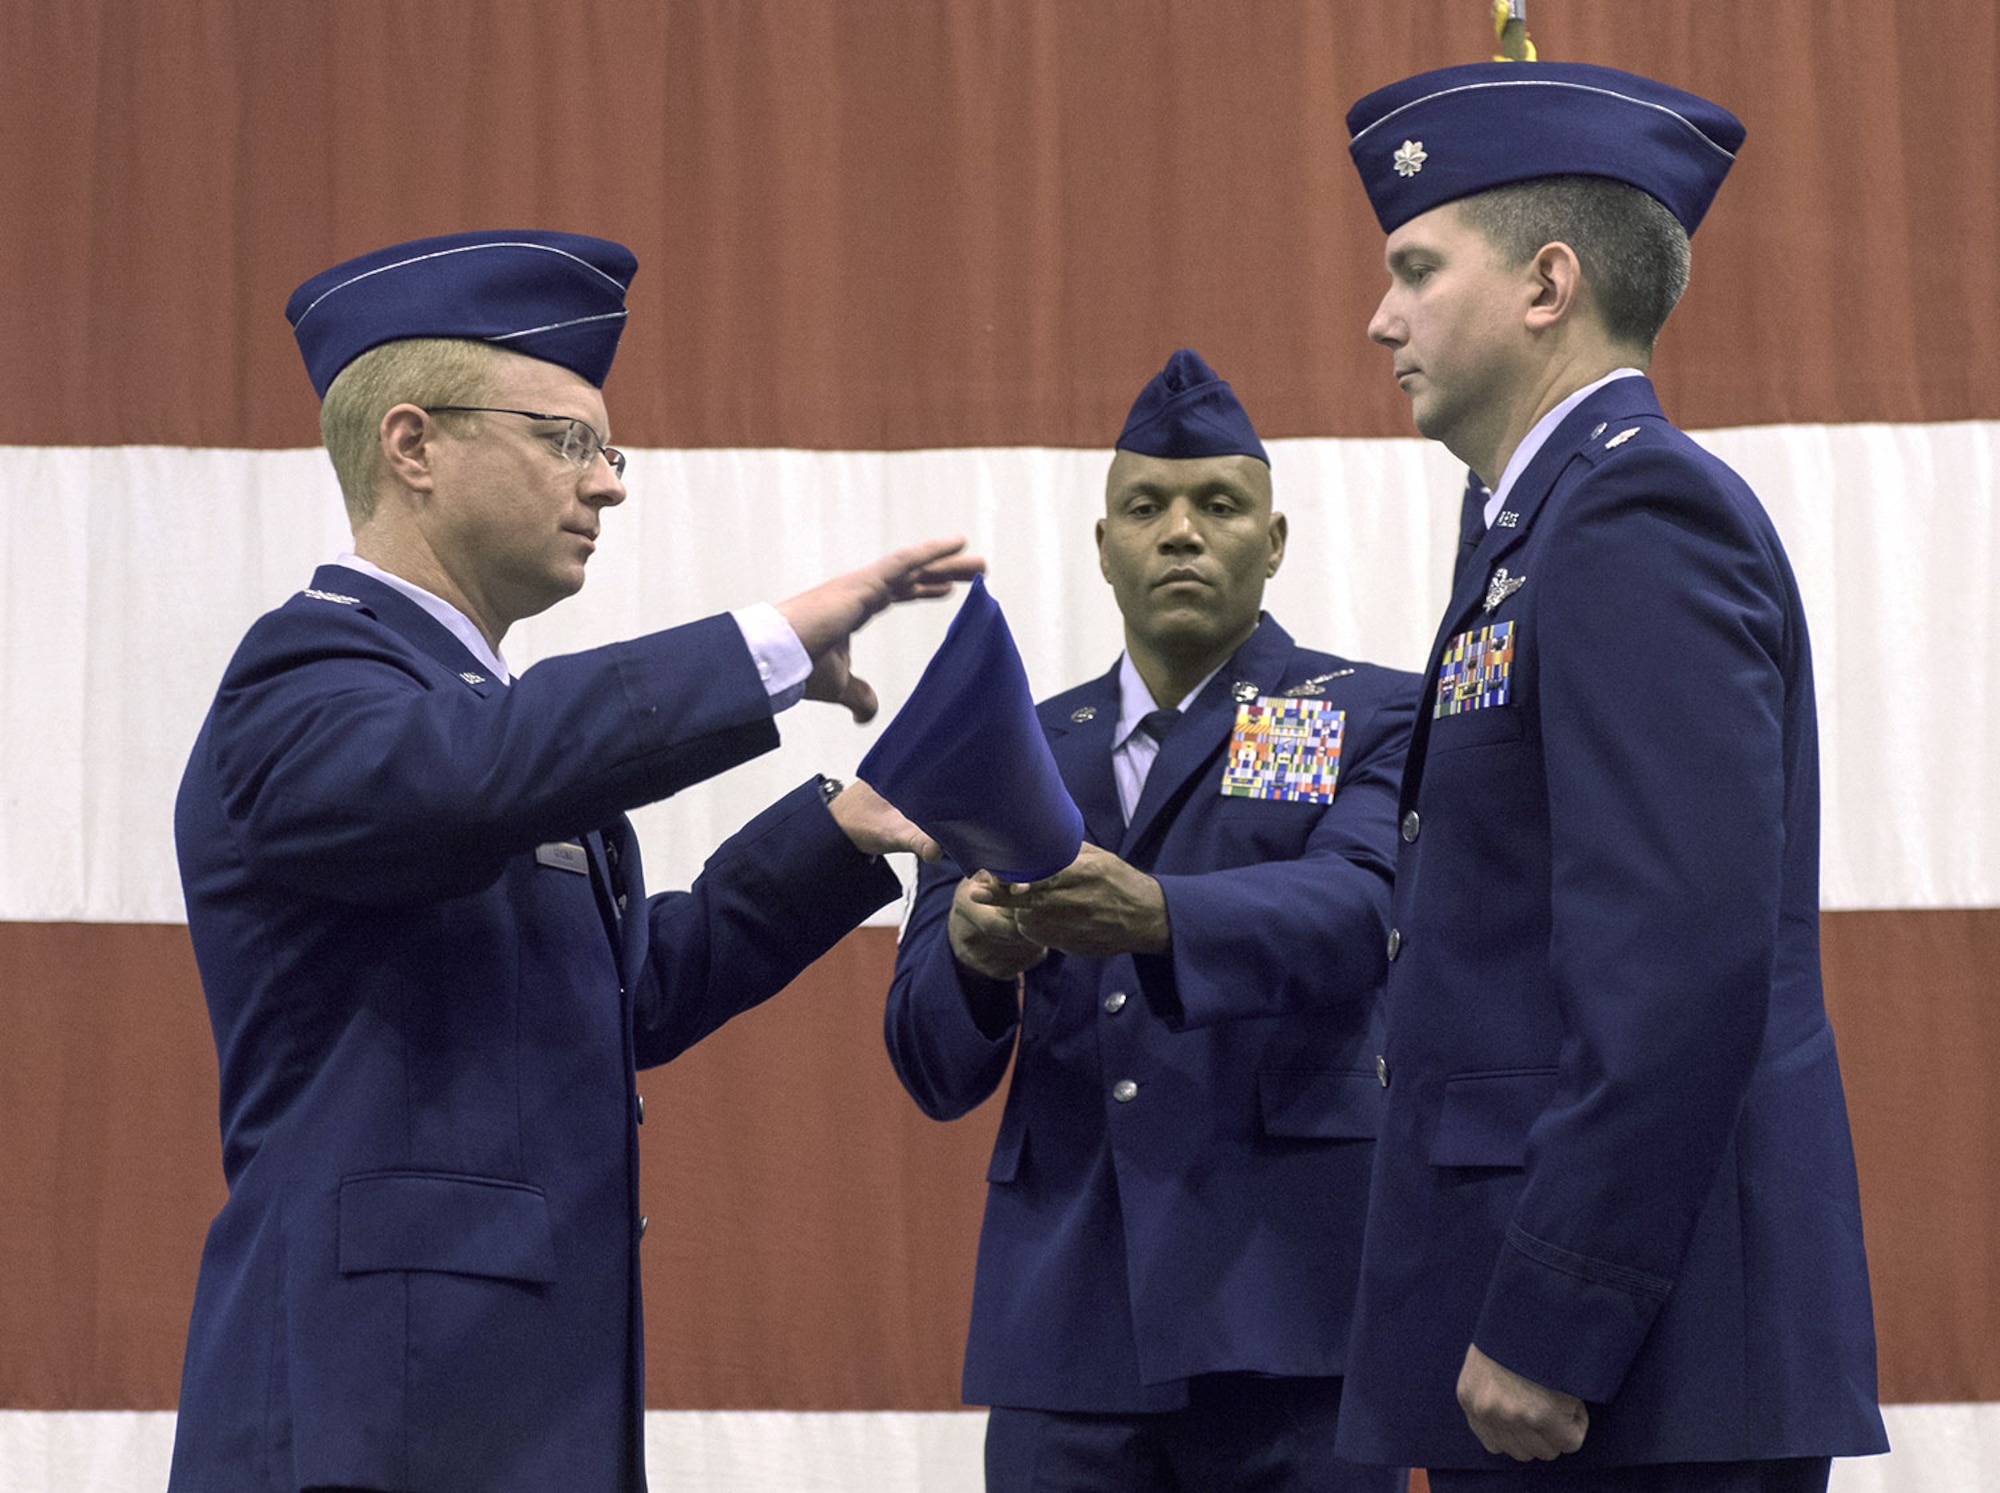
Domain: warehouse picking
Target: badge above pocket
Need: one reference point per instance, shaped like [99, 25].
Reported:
[1286, 749]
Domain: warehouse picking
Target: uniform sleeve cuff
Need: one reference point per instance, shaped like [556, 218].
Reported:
[781, 659]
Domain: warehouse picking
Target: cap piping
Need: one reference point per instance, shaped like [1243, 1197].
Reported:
[554, 326]
[1699, 133]
[383, 269]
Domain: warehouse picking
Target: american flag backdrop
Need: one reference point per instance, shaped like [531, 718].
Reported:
[903, 265]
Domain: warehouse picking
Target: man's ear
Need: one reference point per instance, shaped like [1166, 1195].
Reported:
[1556, 285]
[407, 440]
[1102, 568]
[1279, 529]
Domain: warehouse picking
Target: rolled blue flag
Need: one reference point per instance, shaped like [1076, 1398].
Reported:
[967, 760]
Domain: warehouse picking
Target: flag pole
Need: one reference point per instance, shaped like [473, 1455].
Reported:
[1510, 26]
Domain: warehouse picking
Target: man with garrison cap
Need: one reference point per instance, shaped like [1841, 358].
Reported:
[430, 961]
[1614, 1224]
[1174, 1213]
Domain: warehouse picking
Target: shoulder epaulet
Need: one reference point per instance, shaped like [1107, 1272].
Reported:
[1611, 436]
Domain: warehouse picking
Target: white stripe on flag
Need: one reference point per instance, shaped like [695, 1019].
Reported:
[128, 579]
[888, 1451]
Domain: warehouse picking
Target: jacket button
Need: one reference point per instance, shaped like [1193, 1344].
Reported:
[642, 1225]
[1382, 1069]
[1114, 1002]
[1411, 823]
[642, 1107]
[1395, 943]
[1124, 1091]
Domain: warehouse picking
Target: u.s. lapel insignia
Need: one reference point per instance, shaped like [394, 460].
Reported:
[1501, 587]
[1410, 159]
[1242, 692]
[1313, 685]
[1507, 519]
[1621, 438]
[1597, 432]
[1284, 749]
[1083, 713]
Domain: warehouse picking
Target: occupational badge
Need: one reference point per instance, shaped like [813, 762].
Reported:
[1284, 748]
[1083, 713]
[1316, 684]
[1476, 670]
[1242, 692]
[1501, 587]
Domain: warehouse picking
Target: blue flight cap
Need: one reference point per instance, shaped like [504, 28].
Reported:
[967, 760]
[1185, 412]
[559, 297]
[1442, 135]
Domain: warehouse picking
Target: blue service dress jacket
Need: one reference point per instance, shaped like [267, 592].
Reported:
[1178, 1180]
[432, 970]
[1616, 1152]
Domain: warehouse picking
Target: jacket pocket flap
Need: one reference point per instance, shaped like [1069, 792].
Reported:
[1485, 1117]
[439, 1221]
[1319, 1103]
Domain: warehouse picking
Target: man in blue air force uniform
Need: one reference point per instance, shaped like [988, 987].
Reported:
[1173, 1221]
[430, 962]
[1614, 1222]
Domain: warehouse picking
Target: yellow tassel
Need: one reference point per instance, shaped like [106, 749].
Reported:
[1515, 43]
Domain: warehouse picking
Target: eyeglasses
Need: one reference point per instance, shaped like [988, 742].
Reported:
[576, 443]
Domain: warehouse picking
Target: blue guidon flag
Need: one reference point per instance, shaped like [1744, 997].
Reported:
[967, 760]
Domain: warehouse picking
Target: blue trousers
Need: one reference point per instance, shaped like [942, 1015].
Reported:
[1240, 1433]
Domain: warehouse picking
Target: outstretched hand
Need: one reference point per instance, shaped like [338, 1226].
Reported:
[1516, 1416]
[877, 826]
[826, 617]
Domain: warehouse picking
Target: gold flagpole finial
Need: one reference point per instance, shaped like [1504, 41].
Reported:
[1510, 26]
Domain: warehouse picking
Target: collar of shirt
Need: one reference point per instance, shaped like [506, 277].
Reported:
[1132, 751]
[459, 625]
[1136, 702]
[1538, 437]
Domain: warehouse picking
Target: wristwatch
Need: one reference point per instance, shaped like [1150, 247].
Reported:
[829, 788]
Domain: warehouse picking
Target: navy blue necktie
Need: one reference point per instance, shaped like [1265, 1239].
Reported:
[1471, 522]
[1158, 723]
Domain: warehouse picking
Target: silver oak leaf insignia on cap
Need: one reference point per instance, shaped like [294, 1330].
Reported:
[1410, 159]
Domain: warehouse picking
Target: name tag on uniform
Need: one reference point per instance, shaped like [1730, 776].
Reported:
[1476, 671]
[564, 855]
[1286, 749]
